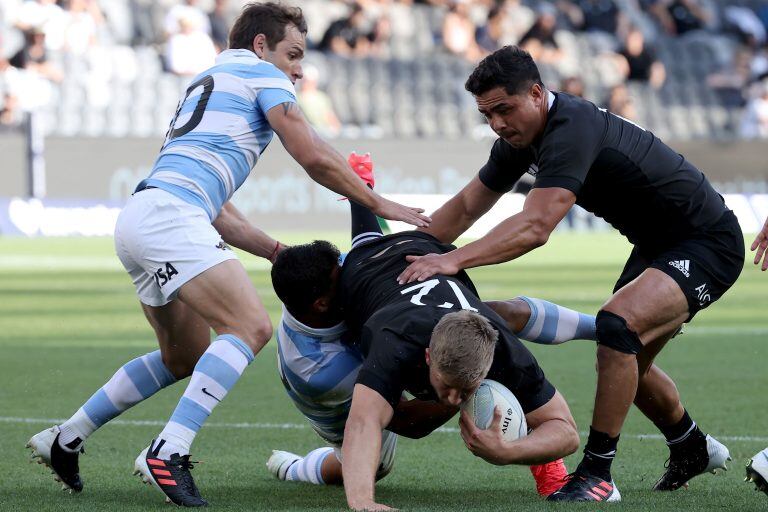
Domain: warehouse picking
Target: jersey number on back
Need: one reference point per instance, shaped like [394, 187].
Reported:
[427, 286]
[197, 115]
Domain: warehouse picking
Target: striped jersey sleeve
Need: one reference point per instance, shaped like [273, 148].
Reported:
[220, 130]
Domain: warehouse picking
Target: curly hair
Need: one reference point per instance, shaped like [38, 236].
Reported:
[509, 67]
[303, 273]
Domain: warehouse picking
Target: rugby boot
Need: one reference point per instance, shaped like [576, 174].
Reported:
[549, 477]
[581, 486]
[62, 463]
[757, 471]
[692, 459]
[280, 462]
[171, 476]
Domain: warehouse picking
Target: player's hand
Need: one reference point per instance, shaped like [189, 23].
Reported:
[761, 244]
[424, 267]
[391, 210]
[371, 506]
[487, 444]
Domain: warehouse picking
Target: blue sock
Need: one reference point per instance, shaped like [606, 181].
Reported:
[135, 381]
[550, 324]
[214, 375]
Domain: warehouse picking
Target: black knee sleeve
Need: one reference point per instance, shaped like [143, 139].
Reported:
[612, 331]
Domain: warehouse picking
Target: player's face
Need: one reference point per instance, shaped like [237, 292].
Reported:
[288, 53]
[448, 392]
[516, 118]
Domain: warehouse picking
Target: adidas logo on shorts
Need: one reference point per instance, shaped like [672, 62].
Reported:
[682, 266]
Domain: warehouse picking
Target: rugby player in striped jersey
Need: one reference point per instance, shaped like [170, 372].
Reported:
[172, 238]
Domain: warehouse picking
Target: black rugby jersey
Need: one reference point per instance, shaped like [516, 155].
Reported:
[395, 322]
[616, 169]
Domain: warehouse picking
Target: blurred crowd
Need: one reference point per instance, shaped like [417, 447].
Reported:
[40, 37]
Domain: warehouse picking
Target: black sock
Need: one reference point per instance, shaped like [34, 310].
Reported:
[682, 432]
[599, 454]
[365, 225]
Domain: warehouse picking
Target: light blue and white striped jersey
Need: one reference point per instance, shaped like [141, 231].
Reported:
[319, 373]
[220, 130]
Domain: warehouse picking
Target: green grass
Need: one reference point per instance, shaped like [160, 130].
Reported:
[69, 319]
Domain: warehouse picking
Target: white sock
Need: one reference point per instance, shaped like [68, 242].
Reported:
[307, 469]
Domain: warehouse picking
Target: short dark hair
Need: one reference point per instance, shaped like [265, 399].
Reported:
[269, 19]
[462, 345]
[303, 273]
[509, 67]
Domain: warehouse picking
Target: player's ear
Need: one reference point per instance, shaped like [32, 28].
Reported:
[537, 93]
[426, 356]
[259, 44]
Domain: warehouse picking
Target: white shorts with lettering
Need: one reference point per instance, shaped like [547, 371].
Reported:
[163, 242]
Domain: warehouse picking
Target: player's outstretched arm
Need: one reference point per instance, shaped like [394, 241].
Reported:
[327, 167]
[368, 415]
[235, 229]
[461, 211]
[544, 208]
[554, 435]
[761, 244]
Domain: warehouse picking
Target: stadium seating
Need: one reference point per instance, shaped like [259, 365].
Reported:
[416, 90]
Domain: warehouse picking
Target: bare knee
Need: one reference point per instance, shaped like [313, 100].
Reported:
[262, 333]
[256, 333]
[516, 312]
[607, 356]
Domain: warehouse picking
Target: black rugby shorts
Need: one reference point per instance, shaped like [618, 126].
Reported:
[705, 265]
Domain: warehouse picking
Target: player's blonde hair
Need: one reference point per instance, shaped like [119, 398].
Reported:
[462, 346]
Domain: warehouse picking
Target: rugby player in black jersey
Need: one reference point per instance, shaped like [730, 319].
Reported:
[438, 341]
[688, 247]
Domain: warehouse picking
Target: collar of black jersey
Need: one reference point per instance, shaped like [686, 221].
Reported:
[550, 114]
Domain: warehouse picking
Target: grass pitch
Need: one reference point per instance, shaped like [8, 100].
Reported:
[69, 319]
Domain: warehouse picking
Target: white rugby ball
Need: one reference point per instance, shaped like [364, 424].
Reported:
[492, 394]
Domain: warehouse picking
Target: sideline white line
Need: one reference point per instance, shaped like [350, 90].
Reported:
[301, 426]
[29, 262]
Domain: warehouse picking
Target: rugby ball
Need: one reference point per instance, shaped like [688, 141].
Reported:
[492, 394]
